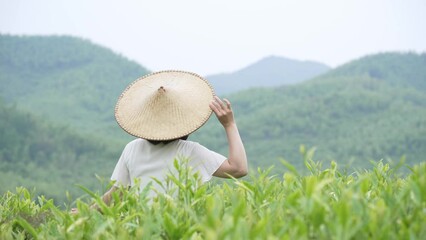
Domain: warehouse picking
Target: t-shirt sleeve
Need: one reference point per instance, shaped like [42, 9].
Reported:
[205, 161]
[121, 174]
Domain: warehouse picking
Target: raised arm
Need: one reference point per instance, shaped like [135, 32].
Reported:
[236, 164]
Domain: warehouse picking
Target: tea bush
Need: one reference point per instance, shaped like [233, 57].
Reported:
[324, 204]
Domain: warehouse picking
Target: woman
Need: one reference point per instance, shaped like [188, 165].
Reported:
[162, 109]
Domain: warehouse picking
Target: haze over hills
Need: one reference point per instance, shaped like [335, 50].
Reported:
[64, 90]
[52, 159]
[370, 109]
[73, 81]
[400, 70]
[267, 72]
[65, 79]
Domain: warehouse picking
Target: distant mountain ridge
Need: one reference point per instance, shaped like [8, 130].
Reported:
[72, 80]
[267, 72]
[368, 109]
[371, 108]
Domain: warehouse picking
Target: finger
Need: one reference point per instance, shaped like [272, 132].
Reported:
[213, 107]
[218, 100]
[217, 109]
[228, 103]
[214, 103]
[218, 105]
[224, 105]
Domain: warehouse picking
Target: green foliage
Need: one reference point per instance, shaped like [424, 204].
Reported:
[49, 158]
[58, 94]
[65, 79]
[347, 114]
[62, 91]
[401, 70]
[325, 204]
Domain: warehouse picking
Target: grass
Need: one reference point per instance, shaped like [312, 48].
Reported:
[324, 204]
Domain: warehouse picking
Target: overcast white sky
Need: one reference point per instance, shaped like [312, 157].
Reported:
[214, 36]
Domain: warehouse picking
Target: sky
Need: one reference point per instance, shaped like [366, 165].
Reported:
[220, 36]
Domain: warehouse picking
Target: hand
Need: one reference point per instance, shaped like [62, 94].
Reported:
[223, 111]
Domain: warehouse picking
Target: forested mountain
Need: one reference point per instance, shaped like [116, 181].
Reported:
[51, 159]
[269, 71]
[61, 129]
[369, 109]
[399, 70]
[58, 94]
[65, 79]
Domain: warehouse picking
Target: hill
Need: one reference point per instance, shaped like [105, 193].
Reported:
[267, 72]
[370, 109]
[51, 159]
[65, 79]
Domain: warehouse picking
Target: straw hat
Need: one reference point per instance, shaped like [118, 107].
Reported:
[164, 105]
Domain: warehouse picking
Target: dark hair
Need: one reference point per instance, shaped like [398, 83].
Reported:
[155, 142]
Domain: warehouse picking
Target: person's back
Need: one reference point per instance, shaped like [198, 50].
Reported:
[144, 161]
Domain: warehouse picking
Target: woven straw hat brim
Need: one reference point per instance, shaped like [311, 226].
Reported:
[164, 105]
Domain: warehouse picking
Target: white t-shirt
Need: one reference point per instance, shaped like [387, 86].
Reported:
[143, 160]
